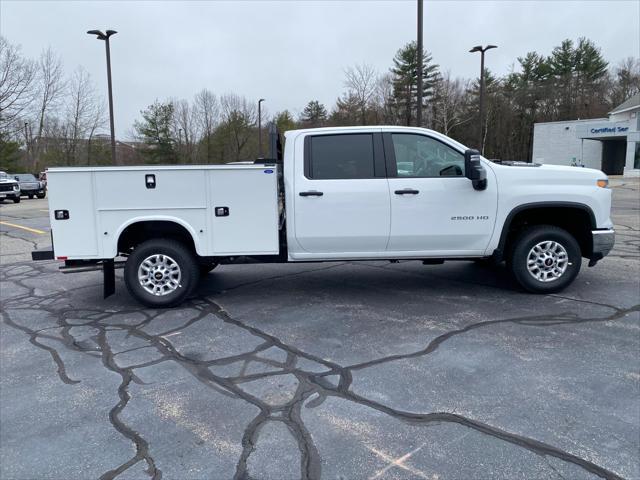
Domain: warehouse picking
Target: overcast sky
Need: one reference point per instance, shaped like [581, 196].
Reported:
[290, 52]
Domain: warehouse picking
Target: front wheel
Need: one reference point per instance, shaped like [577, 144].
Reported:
[41, 195]
[161, 273]
[16, 199]
[545, 259]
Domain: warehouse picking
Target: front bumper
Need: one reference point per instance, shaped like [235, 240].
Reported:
[10, 194]
[31, 191]
[603, 241]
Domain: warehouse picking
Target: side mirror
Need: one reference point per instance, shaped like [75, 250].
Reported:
[474, 170]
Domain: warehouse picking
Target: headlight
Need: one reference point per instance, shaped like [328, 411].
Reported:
[603, 183]
[16, 187]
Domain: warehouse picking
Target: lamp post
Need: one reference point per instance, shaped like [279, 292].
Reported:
[419, 67]
[481, 49]
[105, 36]
[260, 127]
[26, 141]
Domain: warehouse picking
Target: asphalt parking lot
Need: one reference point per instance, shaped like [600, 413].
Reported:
[334, 371]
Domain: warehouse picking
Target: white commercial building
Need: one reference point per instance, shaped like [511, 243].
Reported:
[609, 144]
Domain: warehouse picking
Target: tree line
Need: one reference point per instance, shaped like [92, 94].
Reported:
[48, 119]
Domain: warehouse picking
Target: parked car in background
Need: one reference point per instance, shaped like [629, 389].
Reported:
[30, 185]
[9, 188]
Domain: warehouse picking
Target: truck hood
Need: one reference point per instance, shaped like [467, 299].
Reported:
[547, 173]
[567, 170]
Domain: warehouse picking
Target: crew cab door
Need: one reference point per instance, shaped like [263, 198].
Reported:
[341, 195]
[434, 207]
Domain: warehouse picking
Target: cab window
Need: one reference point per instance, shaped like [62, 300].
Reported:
[421, 156]
[339, 157]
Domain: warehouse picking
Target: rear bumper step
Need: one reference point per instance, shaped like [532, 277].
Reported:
[37, 255]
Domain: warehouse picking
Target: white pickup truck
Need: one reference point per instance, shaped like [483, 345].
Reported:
[336, 194]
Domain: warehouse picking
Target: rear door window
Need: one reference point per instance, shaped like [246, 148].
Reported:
[341, 157]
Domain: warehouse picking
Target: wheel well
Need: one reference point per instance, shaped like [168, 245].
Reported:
[138, 232]
[577, 221]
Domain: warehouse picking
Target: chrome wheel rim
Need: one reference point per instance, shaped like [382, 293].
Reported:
[159, 275]
[547, 261]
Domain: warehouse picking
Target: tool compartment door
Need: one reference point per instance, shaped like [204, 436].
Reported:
[244, 210]
[76, 236]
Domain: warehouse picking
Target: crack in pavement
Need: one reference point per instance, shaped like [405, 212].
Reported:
[286, 411]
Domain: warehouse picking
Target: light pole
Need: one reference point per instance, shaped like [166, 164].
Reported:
[26, 141]
[105, 36]
[260, 127]
[481, 49]
[419, 67]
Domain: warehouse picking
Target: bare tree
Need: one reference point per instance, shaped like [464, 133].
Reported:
[83, 115]
[186, 130]
[206, 113]
[624, 80]
[361, 84]
[239, 117]
[448, 103]
[385, 100]
[17, 76]
[51, 87]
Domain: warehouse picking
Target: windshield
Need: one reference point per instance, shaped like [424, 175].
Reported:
[25, 177]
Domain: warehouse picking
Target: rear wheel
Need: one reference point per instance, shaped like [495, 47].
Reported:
[161, 273]
[42, 195]
[545, 259]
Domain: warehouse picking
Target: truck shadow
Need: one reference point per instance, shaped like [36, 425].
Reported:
[409, 277]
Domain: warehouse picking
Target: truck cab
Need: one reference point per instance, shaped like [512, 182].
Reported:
[349, 193]
[362, 193]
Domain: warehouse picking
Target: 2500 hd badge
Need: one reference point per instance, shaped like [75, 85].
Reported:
[471, 217]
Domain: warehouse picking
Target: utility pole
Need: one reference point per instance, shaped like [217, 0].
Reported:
[419, 56]
[481, 49]
[105, 36]
[260, 127]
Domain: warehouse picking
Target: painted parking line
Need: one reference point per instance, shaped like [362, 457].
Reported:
[32, 230]
[40, 210]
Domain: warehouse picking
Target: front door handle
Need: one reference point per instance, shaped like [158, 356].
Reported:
[311, 193]
[407, 191]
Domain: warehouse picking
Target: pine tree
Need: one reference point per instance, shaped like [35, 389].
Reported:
[405, 80]
[155, 130]
[284, 121]
[314, 115]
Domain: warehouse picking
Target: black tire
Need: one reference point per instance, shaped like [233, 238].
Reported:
[30, 197]
[180, 255]
[42, 195]
[16, 199]
[550, 267]
[205, 268]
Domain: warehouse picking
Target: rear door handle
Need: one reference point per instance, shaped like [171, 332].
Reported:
[311, 193]
[407, 191]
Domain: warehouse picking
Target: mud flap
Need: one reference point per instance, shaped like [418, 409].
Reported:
[109, 278]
